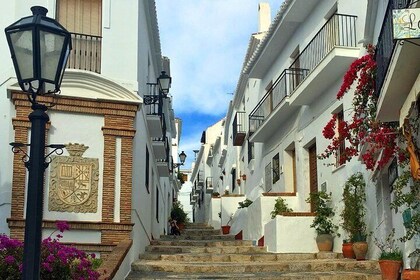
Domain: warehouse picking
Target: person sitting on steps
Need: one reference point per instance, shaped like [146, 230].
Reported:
[174, 227]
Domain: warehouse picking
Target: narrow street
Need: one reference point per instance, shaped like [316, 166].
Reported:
[202, 253]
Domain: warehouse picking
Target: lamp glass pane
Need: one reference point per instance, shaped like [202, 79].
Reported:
[22, 47]
[164, 84]
[51, 46]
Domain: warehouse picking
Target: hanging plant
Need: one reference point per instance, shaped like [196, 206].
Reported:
[362, 129]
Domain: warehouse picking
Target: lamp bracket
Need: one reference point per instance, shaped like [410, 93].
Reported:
[18, 147]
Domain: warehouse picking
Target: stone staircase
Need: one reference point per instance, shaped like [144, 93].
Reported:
[203, 253]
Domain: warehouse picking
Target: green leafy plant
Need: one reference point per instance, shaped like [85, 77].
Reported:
[322, 222]
[406, 196]
[215, 194]
[354, 211]
[178, 213]
[280, 207]
[245, 203]
[388, 249]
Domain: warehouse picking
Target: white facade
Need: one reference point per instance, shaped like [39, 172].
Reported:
[130, 58]
[283, 101]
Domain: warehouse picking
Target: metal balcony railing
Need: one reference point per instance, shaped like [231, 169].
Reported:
[386, 43]
[239, 129]
[288, 80]
[86, 52]
[153, 101]
[209, 182]
[339, 30]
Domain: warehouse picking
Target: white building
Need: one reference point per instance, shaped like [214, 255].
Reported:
[286, 94]
[110, 102]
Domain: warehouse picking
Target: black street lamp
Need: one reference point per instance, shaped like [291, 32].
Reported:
[182, 157]
[40, 47]
[164, 82]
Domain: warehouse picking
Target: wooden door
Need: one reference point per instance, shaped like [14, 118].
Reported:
[313, 172]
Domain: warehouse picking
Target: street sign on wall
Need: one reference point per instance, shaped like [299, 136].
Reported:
[406, 23]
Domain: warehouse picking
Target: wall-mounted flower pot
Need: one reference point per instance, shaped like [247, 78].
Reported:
[225, 229]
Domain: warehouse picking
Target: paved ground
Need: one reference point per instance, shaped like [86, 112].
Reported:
[202, 253]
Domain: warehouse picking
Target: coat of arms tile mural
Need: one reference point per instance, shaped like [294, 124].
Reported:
[74, 182]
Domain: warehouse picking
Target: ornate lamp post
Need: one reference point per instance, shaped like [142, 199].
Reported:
[164, 82]
[182, 157]
[40, 47]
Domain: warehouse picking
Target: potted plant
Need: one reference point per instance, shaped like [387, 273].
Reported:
[390, 259]
[245, 203]
[280, 207]
[178, 214]
[215, 194]
[322, 222]
[226, 228]
[353, 214]
[406, 193]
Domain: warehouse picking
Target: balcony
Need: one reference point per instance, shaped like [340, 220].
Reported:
[238, 128]
[153, 106]
[209, 184]
[161, 148]
[163, 167]
[394, 79]
[274, 107]
[85, 53]
[326, 58]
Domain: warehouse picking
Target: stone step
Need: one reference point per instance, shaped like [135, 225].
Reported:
[336, 275]
[300, 266]
[245, 257]
[201, 232]
[173, 249]
[197, 237]
[198, 226]
[202, 243]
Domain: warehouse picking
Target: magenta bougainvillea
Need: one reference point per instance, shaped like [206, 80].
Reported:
[58, 261]
[379, 139]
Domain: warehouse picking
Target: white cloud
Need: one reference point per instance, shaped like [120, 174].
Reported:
[206, 41]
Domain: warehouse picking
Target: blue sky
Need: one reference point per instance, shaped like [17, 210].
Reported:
[206, 41]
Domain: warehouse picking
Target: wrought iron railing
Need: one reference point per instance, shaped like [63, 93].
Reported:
[153, 101]
[239, 129]
[339, 30]
[386, 43]
[86, 52]
[285, 84]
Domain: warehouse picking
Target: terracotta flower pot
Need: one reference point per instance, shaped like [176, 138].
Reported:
[360, 250]
[225, 229]
[348, 250]
[390, 269]
[324, 242]
[410, 274]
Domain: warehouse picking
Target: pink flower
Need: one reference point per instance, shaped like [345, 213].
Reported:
[9, 259]
[62, 226]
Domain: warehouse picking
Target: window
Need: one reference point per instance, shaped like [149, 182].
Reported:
[251, 154]
[147, 171]
[267, 178]
[80, 16]
[276, 168]
[157, 204]
[290, 168]
[340, 157]
[233, 174]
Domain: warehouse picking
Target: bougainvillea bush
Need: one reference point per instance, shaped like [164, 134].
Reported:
[362, 129]
[58, 261]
